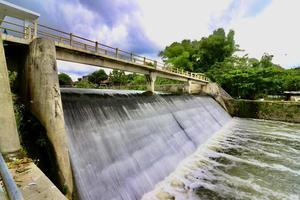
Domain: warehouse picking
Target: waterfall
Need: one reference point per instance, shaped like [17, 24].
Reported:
[122, 145]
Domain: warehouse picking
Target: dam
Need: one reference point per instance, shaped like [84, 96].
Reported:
[125, 145]
[130, 145]
[122, 145]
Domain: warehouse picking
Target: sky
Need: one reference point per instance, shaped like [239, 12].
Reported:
[146, 26]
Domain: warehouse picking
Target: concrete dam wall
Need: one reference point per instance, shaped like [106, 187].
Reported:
[122, 145]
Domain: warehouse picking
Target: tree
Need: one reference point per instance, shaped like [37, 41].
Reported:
[180, 54]
[83, 83]
[97, 76]
[64, 79]
[200, 56]
[118, 77]
[215, 48]
[248, 78]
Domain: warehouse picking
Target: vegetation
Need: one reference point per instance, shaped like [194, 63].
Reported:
[270, 110]
[200, 55]
[241, 77]
[83, 83]
[97, 77]
[33, 137]
[64, 79]
[118, 79]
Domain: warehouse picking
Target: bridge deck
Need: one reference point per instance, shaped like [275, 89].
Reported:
[88, 51]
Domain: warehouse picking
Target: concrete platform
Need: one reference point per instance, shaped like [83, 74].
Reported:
[33, 183]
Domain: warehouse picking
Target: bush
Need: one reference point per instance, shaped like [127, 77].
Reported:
[84, 84]
[97, 77]
[64, 79]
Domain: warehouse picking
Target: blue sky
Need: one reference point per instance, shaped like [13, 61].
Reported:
[147, 26]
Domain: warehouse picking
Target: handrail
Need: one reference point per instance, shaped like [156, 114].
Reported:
[97, 47]
[10, 186]
[11, 23]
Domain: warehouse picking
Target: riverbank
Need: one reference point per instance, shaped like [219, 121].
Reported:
[286, 111]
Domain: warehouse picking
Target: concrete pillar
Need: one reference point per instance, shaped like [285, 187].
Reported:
[9, 138]
[151, 78]
[43, 95]
[188, 87]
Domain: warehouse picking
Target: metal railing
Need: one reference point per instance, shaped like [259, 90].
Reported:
[10, 186]
[27, 32]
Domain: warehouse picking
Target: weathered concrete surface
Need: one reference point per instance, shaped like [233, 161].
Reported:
[151, 78]
[9, 138]
[218, 93]
[33, 183]
[43, 96]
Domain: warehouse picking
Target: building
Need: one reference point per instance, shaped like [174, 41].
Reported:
[292, 95]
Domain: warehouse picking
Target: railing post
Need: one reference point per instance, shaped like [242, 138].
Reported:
[144, 60]
[71, 39]
[96, 46]
[28, 31]
[35, 28]
[155, 64]
[117, 52]
[131, 57]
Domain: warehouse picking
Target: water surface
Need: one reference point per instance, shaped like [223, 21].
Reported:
[247, 159]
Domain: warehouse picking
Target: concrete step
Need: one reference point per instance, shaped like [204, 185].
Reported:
[33, 183]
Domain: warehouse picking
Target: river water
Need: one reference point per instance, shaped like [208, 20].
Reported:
[246, 159]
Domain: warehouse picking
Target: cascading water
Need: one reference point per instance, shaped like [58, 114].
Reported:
[121, 146]
[246, 159]
[129, 147]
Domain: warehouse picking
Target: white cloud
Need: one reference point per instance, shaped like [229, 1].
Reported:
[173, 20]
[274, 31]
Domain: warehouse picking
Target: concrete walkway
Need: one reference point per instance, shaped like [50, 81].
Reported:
[33, 183]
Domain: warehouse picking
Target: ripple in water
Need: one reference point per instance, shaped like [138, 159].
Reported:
[247, 159]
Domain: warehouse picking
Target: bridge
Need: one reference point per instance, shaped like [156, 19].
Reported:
[18, 29]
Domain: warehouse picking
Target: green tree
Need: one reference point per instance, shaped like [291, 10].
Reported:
[118, 77]
[215, 48]
[266, 60]
[248, 78]
[200, 56]
[64, 79]
[83, 83]
[97, 76]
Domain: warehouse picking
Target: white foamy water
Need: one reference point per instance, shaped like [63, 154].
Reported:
[247, 159]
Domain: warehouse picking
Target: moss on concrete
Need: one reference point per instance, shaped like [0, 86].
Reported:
[271, 110]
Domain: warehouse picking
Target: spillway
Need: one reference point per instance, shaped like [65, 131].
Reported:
[247, 159]
[122, 145]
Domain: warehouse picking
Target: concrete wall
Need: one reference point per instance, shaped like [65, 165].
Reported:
[9, 138]
[218, 93]
[270, 110]
[43, 96]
